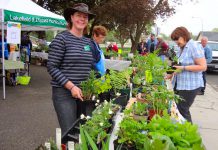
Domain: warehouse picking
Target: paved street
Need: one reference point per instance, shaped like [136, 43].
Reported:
[205, 111]
[212, 79]
[27, 115]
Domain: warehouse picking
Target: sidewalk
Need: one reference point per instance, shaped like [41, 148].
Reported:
[205, 114]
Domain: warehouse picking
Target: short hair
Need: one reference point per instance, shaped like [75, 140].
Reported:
[180, 32]
[204, 38]
[99, 30]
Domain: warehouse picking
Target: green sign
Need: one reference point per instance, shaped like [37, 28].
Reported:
[148, 76]
[87, 48]
[33, 19]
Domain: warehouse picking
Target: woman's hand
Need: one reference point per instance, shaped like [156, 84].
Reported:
[179, 67]
[168, 76]
[77, 93]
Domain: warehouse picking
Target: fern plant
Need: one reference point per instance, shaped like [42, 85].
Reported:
[87, 86]
[119, 80]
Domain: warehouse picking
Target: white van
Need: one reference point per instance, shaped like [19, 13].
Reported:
[214, 64]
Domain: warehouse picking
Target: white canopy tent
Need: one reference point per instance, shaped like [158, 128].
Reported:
[32, 18]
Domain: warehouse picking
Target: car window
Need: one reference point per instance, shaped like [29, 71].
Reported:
[213, 46]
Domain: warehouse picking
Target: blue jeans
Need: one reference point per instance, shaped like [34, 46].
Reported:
[204, 78]
[162, 57]
[66, 107]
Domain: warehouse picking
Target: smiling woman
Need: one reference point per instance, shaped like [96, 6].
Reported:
[70, 61]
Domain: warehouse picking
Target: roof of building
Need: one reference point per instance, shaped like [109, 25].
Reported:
[212, 36]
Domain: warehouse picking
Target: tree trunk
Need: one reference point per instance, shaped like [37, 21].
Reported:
[134, 46]
[122, 45]
[134, 41]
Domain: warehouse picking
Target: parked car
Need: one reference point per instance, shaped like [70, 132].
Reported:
[214, 64]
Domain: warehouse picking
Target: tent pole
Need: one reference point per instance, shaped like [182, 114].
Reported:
[3, 54]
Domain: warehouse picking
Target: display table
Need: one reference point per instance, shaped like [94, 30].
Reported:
[109, 64]
[42, 55]
[118, 65]
[10, 64]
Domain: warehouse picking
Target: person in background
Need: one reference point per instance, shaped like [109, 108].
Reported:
[141, 47]
[70, 61]
[189, 81]
[162, 47]
[151, 43]
[26, 46]
[114, 47]
[98, 35]
[6, 45]
[208, 57]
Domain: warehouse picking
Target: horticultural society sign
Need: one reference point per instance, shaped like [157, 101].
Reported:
[33, 19]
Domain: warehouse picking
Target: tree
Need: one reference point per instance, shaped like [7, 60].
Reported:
[135, 16]
[122, 35]
[215, 30]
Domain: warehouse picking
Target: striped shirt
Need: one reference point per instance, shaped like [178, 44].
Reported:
[70, 58]
[188, 80]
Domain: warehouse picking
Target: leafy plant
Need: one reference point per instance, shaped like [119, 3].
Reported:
[119, 80]
[132, 132]
[183, 136]
[87, 141]
[95, 86]
[88, 87]
[100, 121]
[102, 84]
[140, 108]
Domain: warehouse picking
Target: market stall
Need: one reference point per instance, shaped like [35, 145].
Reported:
[149, 121]
[32, 18]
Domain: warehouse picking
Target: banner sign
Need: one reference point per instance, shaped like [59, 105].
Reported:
[33, 19]
[13, 33]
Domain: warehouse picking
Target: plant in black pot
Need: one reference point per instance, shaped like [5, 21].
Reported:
[102, 87]
[140, 111]
[131, 135]
[119, 81]
[101, 121]
[159, 100]
[88, 90]
[175, 62]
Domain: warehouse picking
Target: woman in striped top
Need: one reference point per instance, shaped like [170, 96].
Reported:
[70, 61]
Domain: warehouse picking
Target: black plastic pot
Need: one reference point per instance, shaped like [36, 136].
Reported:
[175, 64]
[125, 92]
[72, 134]
[104, 96]
[86, 107]
[120, 100]
[123, 146]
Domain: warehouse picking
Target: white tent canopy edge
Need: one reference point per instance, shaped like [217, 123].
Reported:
[31, 16]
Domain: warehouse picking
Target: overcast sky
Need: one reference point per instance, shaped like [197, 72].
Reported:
[192, 16]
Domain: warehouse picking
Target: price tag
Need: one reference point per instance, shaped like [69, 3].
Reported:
[58, 138]
[70, 145]
[148, 76]
[119, 51]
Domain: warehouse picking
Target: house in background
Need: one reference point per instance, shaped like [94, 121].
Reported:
[212, 36]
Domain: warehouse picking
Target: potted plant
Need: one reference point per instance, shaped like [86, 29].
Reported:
[119, 82]
[131, 135]
[140, 111]
[158, 100]
[102, 87]
[88, 90]
[100, 124]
